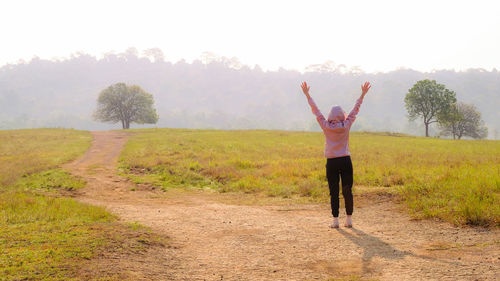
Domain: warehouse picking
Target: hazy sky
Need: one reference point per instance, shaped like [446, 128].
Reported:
[375, 35]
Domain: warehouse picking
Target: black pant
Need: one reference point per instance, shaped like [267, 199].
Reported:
[337, 168]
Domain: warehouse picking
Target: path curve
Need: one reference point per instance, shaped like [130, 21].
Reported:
[213, 240]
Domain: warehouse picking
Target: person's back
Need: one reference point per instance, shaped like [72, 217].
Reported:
[336, 130]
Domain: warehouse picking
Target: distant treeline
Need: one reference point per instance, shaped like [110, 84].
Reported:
[219, 92]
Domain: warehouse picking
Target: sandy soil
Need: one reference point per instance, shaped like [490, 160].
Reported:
[213, 239]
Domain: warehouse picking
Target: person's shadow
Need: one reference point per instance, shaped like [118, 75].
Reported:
[375, 247]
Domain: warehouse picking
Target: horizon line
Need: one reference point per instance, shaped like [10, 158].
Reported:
[356, 69]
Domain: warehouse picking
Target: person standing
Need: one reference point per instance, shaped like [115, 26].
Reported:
[338, 164]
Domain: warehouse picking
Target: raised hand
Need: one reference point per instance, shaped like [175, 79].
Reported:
[365, 88]
[305, 88]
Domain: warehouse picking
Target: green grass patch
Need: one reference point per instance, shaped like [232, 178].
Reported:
[44, 236]
[49, 180]
[48, 238]
[25, 152]
[458, 181]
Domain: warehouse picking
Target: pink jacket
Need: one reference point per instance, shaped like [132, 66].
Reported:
[336, 128]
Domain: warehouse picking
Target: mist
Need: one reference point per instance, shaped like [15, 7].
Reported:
[222, 93]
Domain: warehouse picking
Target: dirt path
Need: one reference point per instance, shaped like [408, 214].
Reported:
[214, 240]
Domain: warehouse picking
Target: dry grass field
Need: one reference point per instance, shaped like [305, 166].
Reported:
[458, 181]
[44, 235]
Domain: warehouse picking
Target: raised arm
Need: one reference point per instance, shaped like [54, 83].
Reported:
[319, 116]
[352, 115]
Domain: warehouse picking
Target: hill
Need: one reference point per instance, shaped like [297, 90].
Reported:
[222, 93]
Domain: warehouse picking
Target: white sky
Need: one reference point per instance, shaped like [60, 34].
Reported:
[375, 35]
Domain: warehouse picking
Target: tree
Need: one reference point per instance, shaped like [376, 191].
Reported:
[429, 100]
[127, 104]
[463, 120]
[155, 53]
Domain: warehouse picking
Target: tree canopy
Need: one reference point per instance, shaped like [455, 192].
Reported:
[125, 104]
[212, 93]
[463, 120]
[430, 101]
